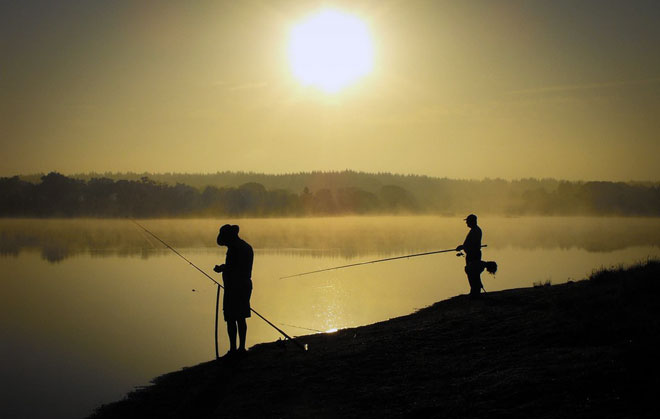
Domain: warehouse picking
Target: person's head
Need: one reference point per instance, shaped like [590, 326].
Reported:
[471, 220]
[227, 235]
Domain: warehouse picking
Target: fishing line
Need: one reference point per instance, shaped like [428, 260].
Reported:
[147, 238]
[217, 301]
[303, 328]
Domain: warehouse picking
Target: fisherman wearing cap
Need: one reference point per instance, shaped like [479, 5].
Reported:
[472, 248]
[236, 276]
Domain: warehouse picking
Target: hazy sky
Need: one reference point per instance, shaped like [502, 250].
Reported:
[463, 89]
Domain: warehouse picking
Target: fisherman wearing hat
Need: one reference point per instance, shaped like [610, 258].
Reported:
[236, 276]
[472, 248]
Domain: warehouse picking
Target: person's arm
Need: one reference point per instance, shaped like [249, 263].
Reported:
[239, 263]
[465, 244]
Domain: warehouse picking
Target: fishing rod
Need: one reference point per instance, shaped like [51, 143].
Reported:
[374, 261]
[217, 298]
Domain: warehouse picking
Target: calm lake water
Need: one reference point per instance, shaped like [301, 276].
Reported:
[90, 309]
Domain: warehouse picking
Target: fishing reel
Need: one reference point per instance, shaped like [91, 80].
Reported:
[459, 254]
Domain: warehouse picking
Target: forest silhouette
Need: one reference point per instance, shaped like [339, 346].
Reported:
[314, 194]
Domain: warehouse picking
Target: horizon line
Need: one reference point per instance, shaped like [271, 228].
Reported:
[396, 174]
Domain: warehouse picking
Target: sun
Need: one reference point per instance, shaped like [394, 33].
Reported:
[330, 50]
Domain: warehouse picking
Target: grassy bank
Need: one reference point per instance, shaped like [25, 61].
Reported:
[581, 349]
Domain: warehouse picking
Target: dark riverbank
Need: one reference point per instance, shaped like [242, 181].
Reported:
[582, 349]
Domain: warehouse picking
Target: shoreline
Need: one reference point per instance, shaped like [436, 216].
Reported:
[579, 349]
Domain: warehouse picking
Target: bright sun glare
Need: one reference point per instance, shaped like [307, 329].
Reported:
[330, 50]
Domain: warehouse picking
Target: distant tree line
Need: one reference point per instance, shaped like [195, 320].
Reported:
[59, 195]
[56, 195]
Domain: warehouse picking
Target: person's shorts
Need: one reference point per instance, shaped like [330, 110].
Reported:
[474, 268]
[236, 301]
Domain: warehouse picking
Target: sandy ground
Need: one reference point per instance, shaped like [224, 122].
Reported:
[582, 349]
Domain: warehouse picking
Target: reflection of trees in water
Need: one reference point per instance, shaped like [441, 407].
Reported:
[55, 254]
[349, 237]
[7, 252]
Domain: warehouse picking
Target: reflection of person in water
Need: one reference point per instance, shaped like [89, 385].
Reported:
[236, 276]
[472, 248]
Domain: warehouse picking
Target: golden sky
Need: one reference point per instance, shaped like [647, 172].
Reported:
[462, 89]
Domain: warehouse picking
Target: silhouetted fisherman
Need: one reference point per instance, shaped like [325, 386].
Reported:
[472, 248]
[237, 279]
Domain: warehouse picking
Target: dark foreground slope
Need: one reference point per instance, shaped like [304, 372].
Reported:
[583, 349]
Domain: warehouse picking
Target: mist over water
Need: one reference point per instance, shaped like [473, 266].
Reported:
[91, 308]
[341, 237]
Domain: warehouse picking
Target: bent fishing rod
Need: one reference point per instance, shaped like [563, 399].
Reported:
[217, 299]
[374, 261]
